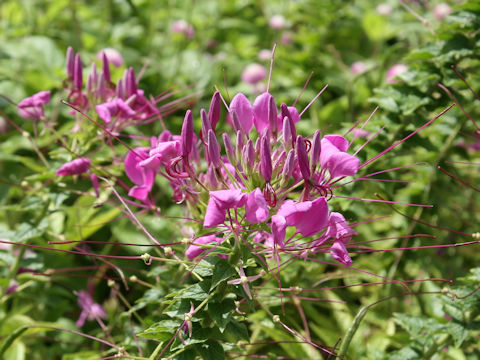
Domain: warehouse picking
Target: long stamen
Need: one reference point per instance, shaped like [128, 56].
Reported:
[271, 66]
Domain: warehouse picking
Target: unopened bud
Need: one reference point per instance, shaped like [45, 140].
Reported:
[249, 154]
[272, 115]
[213, 149]
[287, 134]
[168, 251]
[229, 149]
[120, 90]
[105, 67]
[130, 82]
[276, 318]
[302, 157]
[289, 166]
[214, 110]
[266, 158]
[111, 283]
[70, 62]
[187, 134]
[316, 150]
[206, 126]
[78, 73]
[133, 278]
[476, 235]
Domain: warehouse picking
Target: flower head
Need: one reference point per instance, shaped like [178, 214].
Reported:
[394, 71]
[254, 73]
[113, 56]
[32, 107]
[74, 167]
[90, 309]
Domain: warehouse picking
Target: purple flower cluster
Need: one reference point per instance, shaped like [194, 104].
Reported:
[269, 185]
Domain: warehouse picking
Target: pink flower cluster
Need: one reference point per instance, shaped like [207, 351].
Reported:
[269, 186]
[117, 105]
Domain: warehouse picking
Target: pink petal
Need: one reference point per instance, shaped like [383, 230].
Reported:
[193, 250]
[256, 207]
[75, 167]
[339, 252]
[220, 201]
[243, 108]
[260, 112]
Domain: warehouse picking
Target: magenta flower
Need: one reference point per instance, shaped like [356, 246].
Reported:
[113, 56]
[309, 217]
[32, 107]
[277, 22]
[221, 201]
[184, 28]
[441, 11]
[90, 309]
[358, 67]
[394, 71]
[74, 167]
[334, 157]
[264, 54]
[142, 177]
[162, 154]
[194, 250]
[256, 209]
[115, 108]
[254, 73]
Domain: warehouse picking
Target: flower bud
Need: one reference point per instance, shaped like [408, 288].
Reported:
[187, 134]
[213, 149]
[206, 125]
[120, 90]
[130, 82]
[101, 87]
[78, 73]
[214, 110]
[106, 67]
[70, 62]
[92, 79]
[287, 134]
[272, 116]
[229, 149]
[289, 166]
[249, 154]
[286, 113]
[302, 157]
[265, 158]
[240, 141]
[316, 149]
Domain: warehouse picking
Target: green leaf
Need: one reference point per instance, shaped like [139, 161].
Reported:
[162, 330]
[211, 350]
[222, 313]
[197, 291]
[205, 266]
[238, 330]
[458, 333]
[222, 272]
